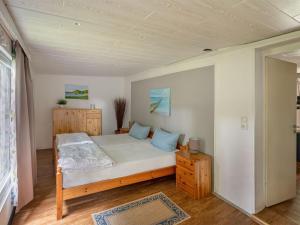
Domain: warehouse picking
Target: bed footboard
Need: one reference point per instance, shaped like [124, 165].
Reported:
[87, 189]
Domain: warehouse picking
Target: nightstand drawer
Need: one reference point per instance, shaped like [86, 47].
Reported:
[190, 190]
[185, 175]
[185, 181]
[185, 163]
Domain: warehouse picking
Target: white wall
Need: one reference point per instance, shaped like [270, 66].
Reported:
[238, 153]
[49, 88]
[189, 115]
[234, 98]
[234, 147]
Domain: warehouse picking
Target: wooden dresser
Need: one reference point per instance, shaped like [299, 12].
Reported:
[67, 120]
[193, 174]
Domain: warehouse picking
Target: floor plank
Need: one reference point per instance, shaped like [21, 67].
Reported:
[208, 211]
[287, 213]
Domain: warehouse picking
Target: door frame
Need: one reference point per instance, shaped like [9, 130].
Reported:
[263, 53]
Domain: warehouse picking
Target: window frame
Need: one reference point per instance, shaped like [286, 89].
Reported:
[6, 182]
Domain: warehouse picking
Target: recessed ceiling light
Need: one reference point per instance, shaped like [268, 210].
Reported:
[76, 23]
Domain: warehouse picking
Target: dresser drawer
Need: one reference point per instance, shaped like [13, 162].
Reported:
[185, 176]
[185, 163]
[93, 115]
[93, 111]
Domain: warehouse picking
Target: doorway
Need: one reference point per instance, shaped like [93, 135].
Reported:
[282, 138]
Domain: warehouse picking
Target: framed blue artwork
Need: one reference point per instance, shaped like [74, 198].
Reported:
[160, 101]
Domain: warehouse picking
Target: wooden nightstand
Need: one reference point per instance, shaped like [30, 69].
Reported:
[122, 131]
[193, 174]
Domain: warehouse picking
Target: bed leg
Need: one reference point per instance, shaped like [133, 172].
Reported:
[59, 194]
[55, 158]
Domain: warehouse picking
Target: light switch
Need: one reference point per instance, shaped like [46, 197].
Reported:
[244, 123]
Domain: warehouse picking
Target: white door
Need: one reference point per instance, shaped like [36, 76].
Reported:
[280, 134]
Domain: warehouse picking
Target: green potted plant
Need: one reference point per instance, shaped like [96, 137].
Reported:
[61, 103]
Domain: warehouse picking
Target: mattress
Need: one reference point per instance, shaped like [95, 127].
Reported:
[130, 155]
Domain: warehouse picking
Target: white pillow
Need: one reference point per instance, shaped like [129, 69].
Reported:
[72, 139]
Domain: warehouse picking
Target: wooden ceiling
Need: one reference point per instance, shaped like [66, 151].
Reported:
[123, 37]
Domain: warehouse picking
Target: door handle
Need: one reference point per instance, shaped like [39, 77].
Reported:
[296, 128]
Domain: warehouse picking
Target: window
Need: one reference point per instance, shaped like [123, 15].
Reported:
[5, 112]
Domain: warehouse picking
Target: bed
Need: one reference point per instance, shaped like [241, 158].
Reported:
[134, 161]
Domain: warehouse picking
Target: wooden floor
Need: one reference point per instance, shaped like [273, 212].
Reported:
[208, 211]
[286, 213]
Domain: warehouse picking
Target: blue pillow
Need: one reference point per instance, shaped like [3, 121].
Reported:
[164, 140]
[139, 132]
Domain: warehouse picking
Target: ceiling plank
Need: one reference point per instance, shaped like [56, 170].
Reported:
[141, 34]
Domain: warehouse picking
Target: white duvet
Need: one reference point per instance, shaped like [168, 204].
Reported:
[83, 157]
[112, 139]
[72, 139]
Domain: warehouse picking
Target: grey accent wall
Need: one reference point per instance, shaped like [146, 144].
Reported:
[192, 104]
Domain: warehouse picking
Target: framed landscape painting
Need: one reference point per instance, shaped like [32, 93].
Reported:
[76, 91]
[160, 101]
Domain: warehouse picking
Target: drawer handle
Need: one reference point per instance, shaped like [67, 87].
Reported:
[187, 174]
[183, 162]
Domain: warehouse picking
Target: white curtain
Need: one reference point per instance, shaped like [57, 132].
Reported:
[25, 141]
[13, 147]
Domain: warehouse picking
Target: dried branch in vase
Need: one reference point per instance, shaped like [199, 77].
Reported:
[120, 107]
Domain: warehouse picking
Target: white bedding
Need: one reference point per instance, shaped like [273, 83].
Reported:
[130, 155]
[115, 139]
[72, 139]
[83, 157]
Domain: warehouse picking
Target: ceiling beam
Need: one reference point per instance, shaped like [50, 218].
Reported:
[9, 25]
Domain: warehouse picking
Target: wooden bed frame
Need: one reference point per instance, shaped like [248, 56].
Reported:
[86, 189]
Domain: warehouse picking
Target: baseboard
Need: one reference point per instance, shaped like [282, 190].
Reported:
[252, 216]
[12, 215]
[258, 220]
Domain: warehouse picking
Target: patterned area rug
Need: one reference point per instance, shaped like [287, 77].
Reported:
[156, 209]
